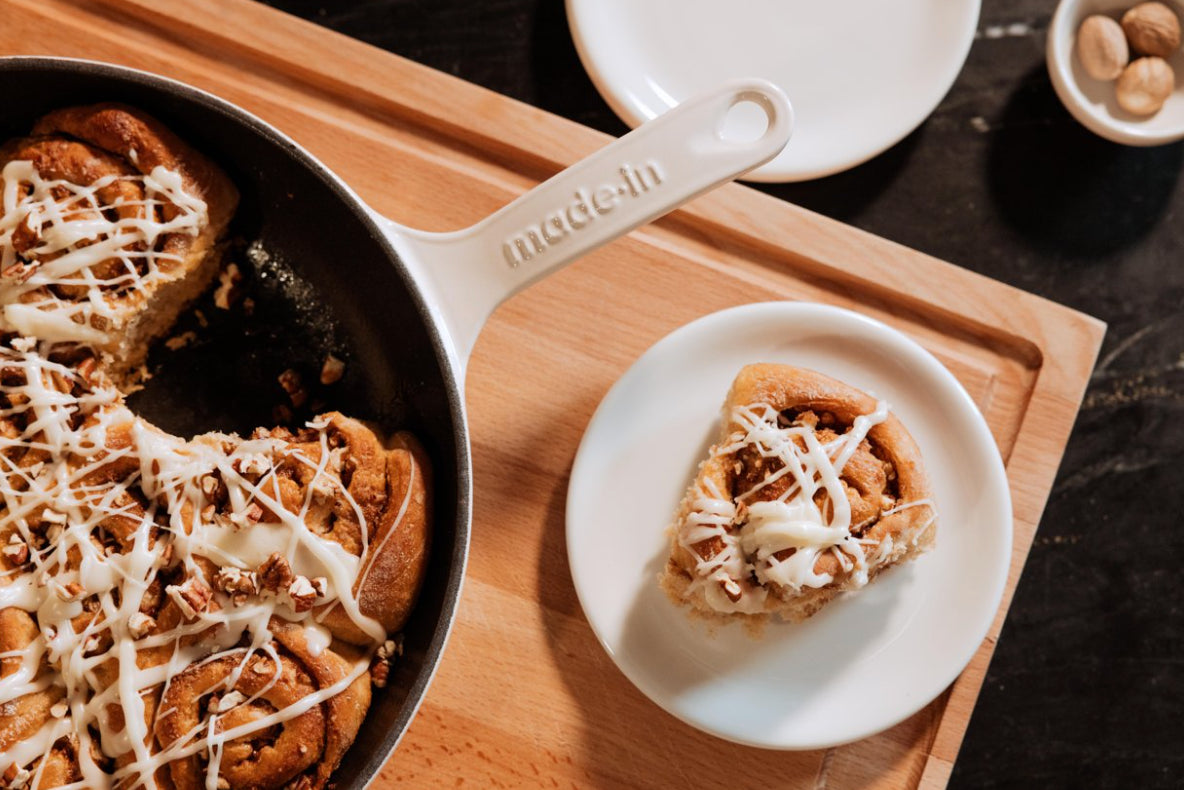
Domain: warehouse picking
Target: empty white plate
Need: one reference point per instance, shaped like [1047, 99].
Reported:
[867, 660]
[861, 74]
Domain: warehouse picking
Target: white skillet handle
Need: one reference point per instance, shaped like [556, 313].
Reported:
[653, 169]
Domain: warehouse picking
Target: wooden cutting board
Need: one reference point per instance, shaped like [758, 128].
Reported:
[524, 695]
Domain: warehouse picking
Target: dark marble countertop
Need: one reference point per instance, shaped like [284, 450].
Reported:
[1085, 689]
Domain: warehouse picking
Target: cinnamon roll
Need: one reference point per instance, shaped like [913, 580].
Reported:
[191, 613]
[813, 488]
[109, 226]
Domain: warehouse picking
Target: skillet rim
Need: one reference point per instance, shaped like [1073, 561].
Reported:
[441, 347]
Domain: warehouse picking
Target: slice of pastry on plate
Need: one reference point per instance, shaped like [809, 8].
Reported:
[812, 488]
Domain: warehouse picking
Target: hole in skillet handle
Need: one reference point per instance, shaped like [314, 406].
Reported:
[745, 122]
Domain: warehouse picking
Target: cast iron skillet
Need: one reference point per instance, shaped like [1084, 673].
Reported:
[402, 307]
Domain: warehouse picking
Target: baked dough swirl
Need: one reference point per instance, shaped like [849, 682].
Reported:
[812, 488]
[202, 613]
[175, 613]
[109, 226]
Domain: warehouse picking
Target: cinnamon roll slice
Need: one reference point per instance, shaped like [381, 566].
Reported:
[813, 488]
[109, 226]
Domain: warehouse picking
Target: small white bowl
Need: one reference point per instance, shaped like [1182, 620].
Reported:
[1093, 102]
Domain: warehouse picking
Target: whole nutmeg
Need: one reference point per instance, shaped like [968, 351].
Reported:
[1152, 29]
[1145, 85]
[1101, 47]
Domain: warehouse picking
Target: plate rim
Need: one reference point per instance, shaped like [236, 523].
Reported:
[628, 107]
[982, 430]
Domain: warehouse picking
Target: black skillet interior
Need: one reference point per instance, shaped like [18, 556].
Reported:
[322, 280]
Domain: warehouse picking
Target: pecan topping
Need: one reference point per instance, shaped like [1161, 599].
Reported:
[323, 488]
[53, 517]
[253, 464]
[731, 589]
[263, 666]
[15, 777]
[236, 583]
[389, 649]
[380, 672]
[275, 573]
[247, 518]
[293, 385]
[302, 593]
[17, 272]
[227, 702]
[192, 597]
[17, 551]
[68, 592]
[140, 624]
[53, 534]
[380, 668]
[227, 292]
[86, 369]
[332, 370]
[209, 485]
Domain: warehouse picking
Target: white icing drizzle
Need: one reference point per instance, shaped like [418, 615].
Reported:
[75, 230]
[71, 515]
[742, 537]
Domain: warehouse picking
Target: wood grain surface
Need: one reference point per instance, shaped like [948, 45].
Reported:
[524, 695]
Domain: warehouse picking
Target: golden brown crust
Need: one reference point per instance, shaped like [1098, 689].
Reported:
[273, 759]
[146, 143]
[345, 711]
[396, 563]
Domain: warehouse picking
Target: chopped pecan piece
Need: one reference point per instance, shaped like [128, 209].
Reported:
[17, 272]
[209, 485]
[17, 551]
[380, 672]
[68, 592]
[227, 702]
[323, 488]
[140, 624]
[253, 464]
[332, 370]
[389, 649]
[302, 593]
[86, 369]
[53, 517]
[275, 573]
[227, 292]
[293, 384]
[731, 589]
[192, 596]
[236, 583]
[247, 518]
[15, 777]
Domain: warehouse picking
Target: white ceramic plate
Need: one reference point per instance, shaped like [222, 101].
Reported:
[867, 660]
[861, 74]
